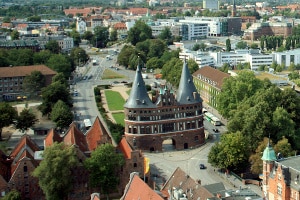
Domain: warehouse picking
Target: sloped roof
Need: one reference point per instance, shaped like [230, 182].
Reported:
[138, 189]
[23, 154]
[75, 137]
[138, 97]
[96, 135]
[51, 137]
[119, 26]
[212, 74]
[17, 71]
[125, 148]
[25, 143]
[187, 92]
[269, 153]
[138, 11]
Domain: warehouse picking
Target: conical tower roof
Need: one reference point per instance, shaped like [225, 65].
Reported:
[187, 93]
[138, 97]
[269, 153]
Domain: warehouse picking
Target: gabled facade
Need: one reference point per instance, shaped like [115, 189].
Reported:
[280, 176]
[22, 165]
[168, 116]
[138, 189]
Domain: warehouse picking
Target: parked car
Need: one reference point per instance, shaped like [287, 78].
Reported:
[202, 166]
[216, 130]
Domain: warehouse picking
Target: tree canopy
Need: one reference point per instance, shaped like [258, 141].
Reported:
[34, 82]
[61, 114]
[51, 94]
[55, 170]
[104, 166]
[139, 32]
[25, 120]
[230, 153]
[7, 116]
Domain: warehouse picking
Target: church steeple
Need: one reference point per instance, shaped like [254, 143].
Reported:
[233, 11]
[269, 158]
[187, 93]
[138, 97]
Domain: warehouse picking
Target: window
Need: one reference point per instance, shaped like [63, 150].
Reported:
[279, 189]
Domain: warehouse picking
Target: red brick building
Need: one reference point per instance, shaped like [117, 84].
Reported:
[280, 176]
[168, 116]
[16, 169]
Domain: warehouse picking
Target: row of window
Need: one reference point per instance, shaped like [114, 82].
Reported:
[165, 110]
[164, 128]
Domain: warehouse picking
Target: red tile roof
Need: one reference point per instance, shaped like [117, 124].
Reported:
[75, 137]
[212, 74]
[125, 148]
[18, 71]
[138, 189]
[23, 155]
[51, 137]
[97, 135]
[24, 143]
[138, 11]
[120, 26]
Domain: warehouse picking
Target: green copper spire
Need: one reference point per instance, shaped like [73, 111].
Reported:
[269, 153]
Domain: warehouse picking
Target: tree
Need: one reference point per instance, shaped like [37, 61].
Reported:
[157, 48]
[60, 63]
[104, 166]
[228, 45]
[241, 45]
[166, 35]
[60, 78]
[230, 153]
[254, 46]
[139, 32]
[113, 35]
[283, 123]
[7, 116]
[41, 57]
[196, 47]
[88, 35]
[55, 171]
[34, 19]
[53, 46]
[76, 37]
[61, 114]
[15, 35]
[12, 195]
[34, 82]
[123, 57]
[255, 159]
[154, 63]
[101, 36]
[51, 94]
[25, 120]
[284, 148]
[235, 90]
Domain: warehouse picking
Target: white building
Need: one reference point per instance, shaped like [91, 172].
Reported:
[252, 56]
[192, 30]
[213, 23]
[287, 57]
[81, 26]
[212, 5]
[201, 58]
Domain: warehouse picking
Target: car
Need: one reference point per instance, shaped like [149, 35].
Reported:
[216, 130]
[202, 166]
[124, 82]
[75, 93]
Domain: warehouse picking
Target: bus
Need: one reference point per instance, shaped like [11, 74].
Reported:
[212, 119]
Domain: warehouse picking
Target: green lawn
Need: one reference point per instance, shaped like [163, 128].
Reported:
[119, 118]
[110, 74]
[114, 100]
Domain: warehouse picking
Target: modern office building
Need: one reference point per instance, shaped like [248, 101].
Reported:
[287, 57]
[166, 117]
[212, 5]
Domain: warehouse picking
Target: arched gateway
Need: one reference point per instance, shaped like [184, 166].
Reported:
[166, 121]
